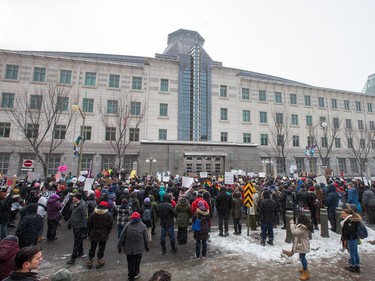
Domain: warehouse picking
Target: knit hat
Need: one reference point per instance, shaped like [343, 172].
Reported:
[201, 206]
[126, 190]
[135, 215]
[103, 205]
[11, 238]
[147, 199]
[55, 196]
[311, 188]
[62, 275]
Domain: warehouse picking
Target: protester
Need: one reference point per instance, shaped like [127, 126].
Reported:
[201, 236]
[78, 221]
[99, 224]
[182, 219]
[133, 242]
[26, 260]
[267, 211]
[349, 223]
[331, 202]
[223, 206]
[368, 201]
[42, 211]
[122, 212]
[167, 214]
[5, 209]
[236, 211]
[54, 207]
[29, 227]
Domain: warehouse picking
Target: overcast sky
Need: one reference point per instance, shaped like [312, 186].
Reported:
[326, 43]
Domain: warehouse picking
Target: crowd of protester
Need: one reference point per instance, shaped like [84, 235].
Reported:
[137, 207]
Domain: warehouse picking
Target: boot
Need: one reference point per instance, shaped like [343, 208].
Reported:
[263, 242]
[270, 242]
[89, 263]
[235, 230]
[163, 248]
[357, 269]
[289, 254]
[100, 263]
[221, 234]
[239, 229]
[226, 234]
[173, 245]
[71, 261]
[305, 275]
[350, 268]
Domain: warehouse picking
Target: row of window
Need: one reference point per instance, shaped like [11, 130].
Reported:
[279, 119]
[264, 140]
[32, 131]
[90, 80]
[278, 98]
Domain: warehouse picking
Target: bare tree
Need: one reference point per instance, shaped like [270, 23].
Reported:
[122, 120]
[281, 137]
[38, 115]
[328, 138]
[359, 144]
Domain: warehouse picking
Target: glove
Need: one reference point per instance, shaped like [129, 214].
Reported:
[119, 250]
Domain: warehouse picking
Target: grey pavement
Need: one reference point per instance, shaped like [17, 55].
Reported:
[219, 265]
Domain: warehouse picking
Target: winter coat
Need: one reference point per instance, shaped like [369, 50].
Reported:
[253, 210]
[100, 224]
[91, 204]
[155, 211]
[332, 199]
[267, 210]
[223, 204]
[349, 227]
[5, 205]
[183, 213]
[8, 251]
[22, 276]
[302, 198]
[194, 205]
[123, 213]
[236, 208]
[301, 242]
[29, 227]
[368, 198]
[78, 218]
[352, 196]
[53, 208]
[133, 239]
[148, 206]
[167, 214]
[204, 217]
[283, 198]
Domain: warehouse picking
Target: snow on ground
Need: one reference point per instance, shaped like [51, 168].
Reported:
[329, 248]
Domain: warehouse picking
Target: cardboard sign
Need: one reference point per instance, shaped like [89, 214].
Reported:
[88, 184]
[203, 174]
[187, 181]
[229, 178]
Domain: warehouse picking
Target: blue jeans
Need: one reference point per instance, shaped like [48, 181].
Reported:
[353, 250]
[4, 230]
[119, 230]
[164, 230]
[198, 248]
[302, 258]
[267, 230]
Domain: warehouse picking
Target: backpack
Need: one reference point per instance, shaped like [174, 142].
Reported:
[289, 202]
[361, 231]
[146, 216]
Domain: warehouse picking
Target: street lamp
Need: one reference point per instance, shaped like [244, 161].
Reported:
[268, 164]
[150, 160]
[310, 148]
[76, 107]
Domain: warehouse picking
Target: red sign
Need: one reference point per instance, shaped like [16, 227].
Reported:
[28, 163]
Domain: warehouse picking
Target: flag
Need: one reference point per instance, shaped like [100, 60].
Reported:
[76, 147]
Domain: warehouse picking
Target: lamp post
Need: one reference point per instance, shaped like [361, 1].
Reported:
[310, 148]
[150, 160]
[76, 107]
[268, 164]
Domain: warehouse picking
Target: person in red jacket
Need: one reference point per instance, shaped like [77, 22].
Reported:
[194, 205]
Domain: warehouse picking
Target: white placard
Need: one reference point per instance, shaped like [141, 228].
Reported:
[228, 178]
[31, 176]
[166, 179]
[321, 179]
[292, 168]
[81, 178]
[203, 174]
[88, 184]
[187, 181]
[262, 175]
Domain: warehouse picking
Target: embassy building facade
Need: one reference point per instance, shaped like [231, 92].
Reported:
[183, 113]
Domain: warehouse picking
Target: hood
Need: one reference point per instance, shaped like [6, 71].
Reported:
[100, 211]
[204, 213]
[42, 200]
[183, 201]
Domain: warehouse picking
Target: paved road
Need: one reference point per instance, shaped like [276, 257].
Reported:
[219, 265]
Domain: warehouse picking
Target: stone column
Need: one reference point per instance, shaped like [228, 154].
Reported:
[324, 223]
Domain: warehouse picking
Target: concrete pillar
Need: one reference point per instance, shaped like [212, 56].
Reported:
[338, 220]
[324, 223]
[308, 215]
[288, 217]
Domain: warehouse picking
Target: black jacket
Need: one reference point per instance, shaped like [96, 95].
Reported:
[223, 204]
[167, 214]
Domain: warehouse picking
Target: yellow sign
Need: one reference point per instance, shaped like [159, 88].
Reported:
[249, 190]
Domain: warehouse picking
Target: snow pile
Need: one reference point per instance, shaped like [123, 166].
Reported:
[249, 246]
